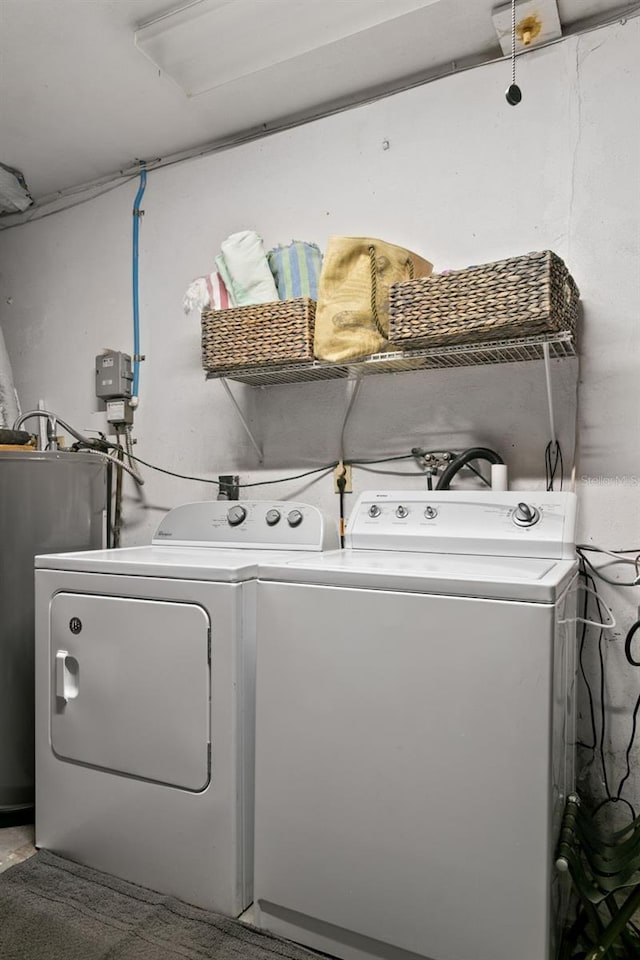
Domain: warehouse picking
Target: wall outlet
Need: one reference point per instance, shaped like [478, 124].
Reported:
[338, 472]
[229, 487]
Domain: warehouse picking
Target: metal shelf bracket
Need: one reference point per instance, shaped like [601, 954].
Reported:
[243, 421]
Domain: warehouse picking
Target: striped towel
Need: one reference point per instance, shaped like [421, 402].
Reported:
[207, 293]
[296, 269]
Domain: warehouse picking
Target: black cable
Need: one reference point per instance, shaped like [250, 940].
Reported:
[341, 483]
[617, 797]
[634, 728]
[470, 466]
[598, 573]
[593, 549]
[552, 463]
[627, 644]
[109, 495]
[117, 514]
[634, 723]
[603, 714]
[603, 717]
[592, 712]
[402, 456]
[614, 800]
[328, 468]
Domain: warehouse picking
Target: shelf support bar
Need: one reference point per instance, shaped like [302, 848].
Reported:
[355, 390]
[547, 372]
[236, 407]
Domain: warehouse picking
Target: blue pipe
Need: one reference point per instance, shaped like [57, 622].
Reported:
[137, 213]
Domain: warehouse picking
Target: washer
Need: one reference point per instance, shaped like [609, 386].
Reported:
[415, 730]
[145, 673]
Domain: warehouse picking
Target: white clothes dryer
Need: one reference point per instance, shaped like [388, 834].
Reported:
[415, 729]
[145, 674]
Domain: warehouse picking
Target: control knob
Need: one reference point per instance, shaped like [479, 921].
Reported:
[430, 512]
[236, 515]
[273, 517]
[402, 512]
[294, 518]
[525, 515]
[374, 510]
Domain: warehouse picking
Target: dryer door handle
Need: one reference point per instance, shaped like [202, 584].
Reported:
[67, 672]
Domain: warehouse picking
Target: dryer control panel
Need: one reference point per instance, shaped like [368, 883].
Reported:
[268, 524]
[483, 523]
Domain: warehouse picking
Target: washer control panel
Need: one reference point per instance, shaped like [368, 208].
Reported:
[483, 523]
[256, 524]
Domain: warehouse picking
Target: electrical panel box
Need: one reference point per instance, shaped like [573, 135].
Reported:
[114, 378]
[119, 411]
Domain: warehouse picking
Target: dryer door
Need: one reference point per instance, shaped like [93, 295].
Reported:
[131, 687]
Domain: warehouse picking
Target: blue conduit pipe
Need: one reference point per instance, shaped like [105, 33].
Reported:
[137, 214]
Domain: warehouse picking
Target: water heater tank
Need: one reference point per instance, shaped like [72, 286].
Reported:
[49, 502]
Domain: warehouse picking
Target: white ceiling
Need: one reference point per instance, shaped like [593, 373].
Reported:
[79, 101]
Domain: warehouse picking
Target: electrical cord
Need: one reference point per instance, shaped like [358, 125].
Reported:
[627, 644]
[84, 442]
[600, 742]
[616, 554]
[117, 513]
[597, 571]
[553, 463]
[592, 712]
[341, 483]
[299, 476]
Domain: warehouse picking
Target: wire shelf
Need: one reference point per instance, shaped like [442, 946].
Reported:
[561, 346]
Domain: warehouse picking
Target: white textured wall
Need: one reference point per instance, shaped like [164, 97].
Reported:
[466, 179]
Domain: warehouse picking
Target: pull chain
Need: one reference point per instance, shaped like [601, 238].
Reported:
[514, 93]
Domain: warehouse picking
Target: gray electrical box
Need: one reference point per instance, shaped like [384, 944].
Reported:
[114, 378]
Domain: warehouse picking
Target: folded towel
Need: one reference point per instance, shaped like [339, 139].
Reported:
[296, 269]
[244, 262]
[207, 292]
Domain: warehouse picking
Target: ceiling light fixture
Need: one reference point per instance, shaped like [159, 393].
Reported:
[536, 22]
[208, 43]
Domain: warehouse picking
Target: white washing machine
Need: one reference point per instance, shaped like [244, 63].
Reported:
[415, 729]
[145, 693]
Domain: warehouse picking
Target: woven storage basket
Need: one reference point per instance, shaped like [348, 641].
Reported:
[519, 297]
[264, 334]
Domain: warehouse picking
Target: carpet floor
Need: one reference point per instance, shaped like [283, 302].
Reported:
[53, 909]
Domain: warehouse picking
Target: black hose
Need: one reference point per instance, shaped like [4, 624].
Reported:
[473, 453]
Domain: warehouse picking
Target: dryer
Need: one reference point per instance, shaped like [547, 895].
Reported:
[415, 729]
[145, 672]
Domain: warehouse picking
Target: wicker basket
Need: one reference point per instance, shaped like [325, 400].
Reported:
[263, 334]
[520, 297]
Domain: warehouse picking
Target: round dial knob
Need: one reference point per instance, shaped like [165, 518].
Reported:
[294, 518]
[236, 515]
[273, 517]
[402, 512]
[430, 513]
[525, 515]
[374, 510]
